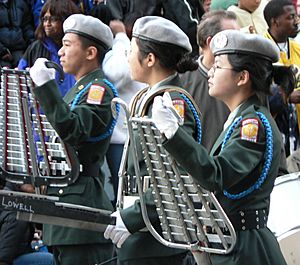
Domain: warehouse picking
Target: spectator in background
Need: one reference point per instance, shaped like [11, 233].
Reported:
[120, 8]
[196, 82]
[184, 13]
[250, 15]
[222, 4]
[49, 35]
[282, 21]
[36, 7]
[84, 5]
[206, 5]
[103, 12]
[16, 31]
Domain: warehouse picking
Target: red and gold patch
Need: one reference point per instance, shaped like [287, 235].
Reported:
[96, 94]
[179, 106]
[249, 130]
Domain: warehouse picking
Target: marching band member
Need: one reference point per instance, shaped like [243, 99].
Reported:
[244, 161]
[81, 119]
[159, 50]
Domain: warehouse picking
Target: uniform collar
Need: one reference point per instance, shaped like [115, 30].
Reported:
[253, 100]
[94, 75]
[169, 80]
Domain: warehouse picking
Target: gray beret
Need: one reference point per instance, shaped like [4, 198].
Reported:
[160, 30]
[234, 41]
[89, 27]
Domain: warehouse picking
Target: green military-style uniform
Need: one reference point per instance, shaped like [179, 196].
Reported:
[234, 168]
[141, 245]
[76, 126]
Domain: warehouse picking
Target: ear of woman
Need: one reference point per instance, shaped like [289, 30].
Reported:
[244, 77]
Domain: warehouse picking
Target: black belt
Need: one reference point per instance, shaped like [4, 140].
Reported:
[90, 170]
[250, 219]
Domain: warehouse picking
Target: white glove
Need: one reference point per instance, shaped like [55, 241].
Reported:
[163, 115]
[40, 73]
[117, 233]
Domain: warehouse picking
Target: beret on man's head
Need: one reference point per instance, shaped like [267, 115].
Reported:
[160, 30]
[233, 41]
[89, 27]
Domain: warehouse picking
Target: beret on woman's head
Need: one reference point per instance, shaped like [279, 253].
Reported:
[160, 30]
[233, 41]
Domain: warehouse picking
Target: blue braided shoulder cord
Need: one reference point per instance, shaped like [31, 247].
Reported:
[196, 117]
[79, 95]
[113, 123]
[268, 156]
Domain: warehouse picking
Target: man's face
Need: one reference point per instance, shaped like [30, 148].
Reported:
[286, 24]
[72, 55]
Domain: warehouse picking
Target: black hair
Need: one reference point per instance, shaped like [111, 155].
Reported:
[101, 51]
[57, 8]
[102, 12]
[170, 56]
[211, 24]
[262, 72]
[274, 9]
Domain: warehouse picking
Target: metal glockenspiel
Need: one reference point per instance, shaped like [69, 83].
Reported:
[191, 217]
[31, 152]
[30, 149]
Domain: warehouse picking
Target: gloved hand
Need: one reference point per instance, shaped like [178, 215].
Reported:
[163, 115]
[117, 233]
[40, 73]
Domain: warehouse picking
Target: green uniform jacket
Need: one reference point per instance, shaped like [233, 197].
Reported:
[75, 127]
[143, 244]
[235, 169]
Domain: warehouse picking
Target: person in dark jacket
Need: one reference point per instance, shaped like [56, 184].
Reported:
[16, 31]
[185, 14]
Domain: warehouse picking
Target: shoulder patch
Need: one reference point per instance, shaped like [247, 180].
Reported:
[249, 130]
[96, 94]
[179, 106]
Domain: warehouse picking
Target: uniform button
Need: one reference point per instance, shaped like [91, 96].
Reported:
[61, 191]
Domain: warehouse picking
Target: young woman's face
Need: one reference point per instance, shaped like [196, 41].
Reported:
[222, 79]
[137, 68]
[52, 26]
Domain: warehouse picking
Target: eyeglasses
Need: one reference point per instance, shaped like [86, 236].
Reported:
[215, 67]
[50, 19]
